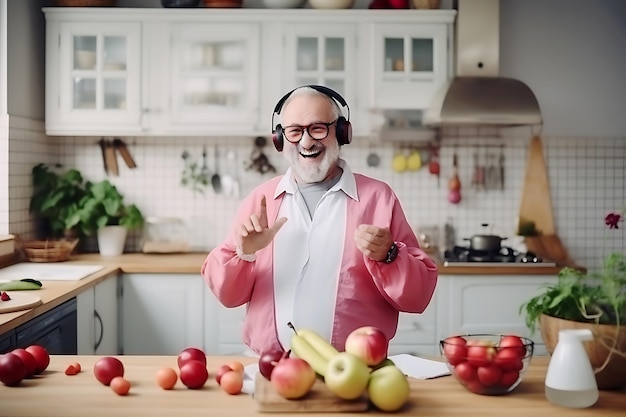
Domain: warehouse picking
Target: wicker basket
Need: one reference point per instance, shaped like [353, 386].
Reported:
[49, 250]
[85, 3]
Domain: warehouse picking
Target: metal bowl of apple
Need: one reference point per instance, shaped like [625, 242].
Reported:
[487, 364]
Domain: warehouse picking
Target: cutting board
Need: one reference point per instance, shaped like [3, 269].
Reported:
[536, 202]
[20, 300]
[48, 272]
[550, 248]
[318, 400]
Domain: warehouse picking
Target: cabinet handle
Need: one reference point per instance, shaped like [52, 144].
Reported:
[97, 316]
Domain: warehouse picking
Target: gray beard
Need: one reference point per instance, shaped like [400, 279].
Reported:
[317, 173]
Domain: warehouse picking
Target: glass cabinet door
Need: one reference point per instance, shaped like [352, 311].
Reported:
[214, 74]
[99, 74]
[321, 54]
[410, 64]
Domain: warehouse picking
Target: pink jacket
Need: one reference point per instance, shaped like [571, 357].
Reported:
[370, 293]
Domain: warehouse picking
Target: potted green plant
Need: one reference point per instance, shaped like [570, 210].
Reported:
[55, 202]
[587, 299]
[103, 212]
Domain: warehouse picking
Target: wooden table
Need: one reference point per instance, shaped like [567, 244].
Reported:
[55, 394]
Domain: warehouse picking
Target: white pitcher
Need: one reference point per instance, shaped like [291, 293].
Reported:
[570, 380]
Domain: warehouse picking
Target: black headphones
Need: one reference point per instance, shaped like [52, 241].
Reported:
[343, 127]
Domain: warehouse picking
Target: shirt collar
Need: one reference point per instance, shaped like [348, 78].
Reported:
[347, 183]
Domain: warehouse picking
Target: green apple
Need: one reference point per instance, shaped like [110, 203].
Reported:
[386, 362]
[347, 376]
[388, 388]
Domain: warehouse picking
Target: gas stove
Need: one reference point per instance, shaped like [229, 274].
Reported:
[463, 256]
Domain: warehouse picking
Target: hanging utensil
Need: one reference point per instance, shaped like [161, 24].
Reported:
[216, 181]
[475, 175]
[373, 160]
[454, 184]
[120, 146]
[236, 184]
[111, 158]
[501, 166]
[433, 166]
[204, 171]
[103, 145]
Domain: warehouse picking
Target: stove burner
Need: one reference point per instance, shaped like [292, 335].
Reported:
[505, 255]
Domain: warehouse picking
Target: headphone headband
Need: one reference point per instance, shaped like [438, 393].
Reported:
[322, 89]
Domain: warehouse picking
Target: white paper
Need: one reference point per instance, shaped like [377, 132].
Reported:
[249, 376]
[419, 368]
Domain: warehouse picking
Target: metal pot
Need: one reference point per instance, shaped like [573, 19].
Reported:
[486, 243]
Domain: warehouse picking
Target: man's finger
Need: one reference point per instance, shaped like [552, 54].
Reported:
[277, 225]
[263, 213]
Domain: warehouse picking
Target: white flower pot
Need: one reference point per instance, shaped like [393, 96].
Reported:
[111, 240]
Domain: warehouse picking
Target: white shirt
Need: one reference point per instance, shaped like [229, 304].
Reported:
[308, 255]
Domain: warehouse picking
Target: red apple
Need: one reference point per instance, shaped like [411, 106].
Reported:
[368, 343]
[12, 369]
[191, 353]
[292, 378]
[399, 4]
[268, 360]
[379, 4]
[29, 361]
[221, 371]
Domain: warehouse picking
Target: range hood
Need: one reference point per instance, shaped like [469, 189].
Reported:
[477, 95]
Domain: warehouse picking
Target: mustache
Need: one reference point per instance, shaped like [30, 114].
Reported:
[316, 146]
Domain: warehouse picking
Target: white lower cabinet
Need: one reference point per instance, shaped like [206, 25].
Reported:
[162, 313]
[470, 304]
[98, 330]
[416, 333]
[223, 327]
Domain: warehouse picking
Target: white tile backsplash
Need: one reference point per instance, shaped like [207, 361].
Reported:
[587, 179]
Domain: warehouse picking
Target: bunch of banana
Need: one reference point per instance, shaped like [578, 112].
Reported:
[313, 348]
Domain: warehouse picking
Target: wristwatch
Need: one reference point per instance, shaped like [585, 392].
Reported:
[391, 254]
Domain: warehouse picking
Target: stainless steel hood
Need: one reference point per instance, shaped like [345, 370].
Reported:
[477, 95]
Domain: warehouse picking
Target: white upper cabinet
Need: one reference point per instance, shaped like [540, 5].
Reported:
[410, 64]
[163, 72]
[93, 77]
[325, 54]
[213, 78]
[321, 54]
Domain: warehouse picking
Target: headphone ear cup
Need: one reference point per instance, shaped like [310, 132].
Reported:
[344, 131]
[277, 138]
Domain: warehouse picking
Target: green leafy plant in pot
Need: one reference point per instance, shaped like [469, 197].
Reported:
[104, 212]
[587, 299]
[55, 202]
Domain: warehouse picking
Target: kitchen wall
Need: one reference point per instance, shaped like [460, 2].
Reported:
[584, 144]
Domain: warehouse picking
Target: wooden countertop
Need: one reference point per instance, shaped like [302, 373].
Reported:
[191, 263]
[56, 394]
[141, 263]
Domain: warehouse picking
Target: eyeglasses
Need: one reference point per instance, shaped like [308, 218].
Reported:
[317, 131]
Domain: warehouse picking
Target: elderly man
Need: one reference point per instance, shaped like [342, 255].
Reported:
[320, 246]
